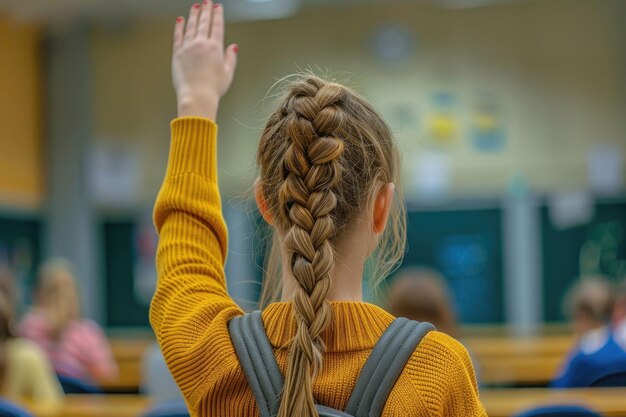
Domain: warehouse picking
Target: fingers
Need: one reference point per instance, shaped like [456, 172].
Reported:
[192, 22]
[179, 28]
[230, 60]
[204, 22]
[217, 28]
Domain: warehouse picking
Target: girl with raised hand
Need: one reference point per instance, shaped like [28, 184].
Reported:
[328, 166]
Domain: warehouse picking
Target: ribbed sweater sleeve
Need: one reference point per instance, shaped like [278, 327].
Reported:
[191, 306]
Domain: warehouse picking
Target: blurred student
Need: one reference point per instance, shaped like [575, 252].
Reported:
[328, 165]
[76, 346]
[422, 294]
[25, 373]
[619, 315]
[590, 304]
[156, 380]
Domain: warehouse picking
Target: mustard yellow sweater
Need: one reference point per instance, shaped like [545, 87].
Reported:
[191, 309]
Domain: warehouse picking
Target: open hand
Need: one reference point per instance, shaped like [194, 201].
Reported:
[202, 70]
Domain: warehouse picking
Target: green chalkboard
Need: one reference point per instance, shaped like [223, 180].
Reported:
[124, 308]
[20, 250]
[597, 246]
[465, 245]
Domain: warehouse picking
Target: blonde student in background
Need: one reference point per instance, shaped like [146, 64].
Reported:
[619, 314]
[25, 373]
[597, 352]
[328, 175]
[77, 347]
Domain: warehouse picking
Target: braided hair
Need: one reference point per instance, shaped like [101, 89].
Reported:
[322, 156]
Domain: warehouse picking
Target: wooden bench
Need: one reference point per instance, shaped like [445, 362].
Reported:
[106, 405]
[519, 361]
[128, 354]
[503, 360]
[611, 402]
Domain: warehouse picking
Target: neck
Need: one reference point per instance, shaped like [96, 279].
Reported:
[346, 281]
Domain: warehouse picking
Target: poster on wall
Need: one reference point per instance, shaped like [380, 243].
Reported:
[114, 173]
[605, 169]
[487, 128]
[431, 175]
[443, 126]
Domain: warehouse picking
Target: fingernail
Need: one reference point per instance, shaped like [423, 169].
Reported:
[236, 48]
[179, 19]
[216, 5]
[205, 2]
[196, 6]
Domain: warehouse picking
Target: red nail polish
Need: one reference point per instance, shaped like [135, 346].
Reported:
[216, 5]
[236, 48]
[196, 6]
[205, 2]
[179, 19]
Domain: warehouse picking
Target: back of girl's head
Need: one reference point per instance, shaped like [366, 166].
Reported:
[57, 295]
[590, 303]
[323, 156]
[422, 294]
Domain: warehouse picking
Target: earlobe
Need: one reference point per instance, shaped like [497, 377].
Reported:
[261, 203]
[382, 207]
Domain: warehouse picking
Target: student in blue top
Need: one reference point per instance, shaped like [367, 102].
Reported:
[590, 303]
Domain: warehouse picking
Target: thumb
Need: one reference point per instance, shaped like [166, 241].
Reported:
[230, 60]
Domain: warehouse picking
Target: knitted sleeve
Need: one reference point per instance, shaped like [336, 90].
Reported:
[191, 307]
[442, 372]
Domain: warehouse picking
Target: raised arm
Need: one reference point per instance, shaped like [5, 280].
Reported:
[191, 298]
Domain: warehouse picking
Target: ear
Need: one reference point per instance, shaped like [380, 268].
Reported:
[382, 206]
[261, 203]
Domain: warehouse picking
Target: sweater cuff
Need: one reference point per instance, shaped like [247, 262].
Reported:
[193, 147]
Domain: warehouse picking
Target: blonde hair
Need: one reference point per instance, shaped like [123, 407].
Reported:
[592, 297]
[57, 296]
[323, 156]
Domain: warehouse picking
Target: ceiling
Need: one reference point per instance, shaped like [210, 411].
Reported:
[63, 10]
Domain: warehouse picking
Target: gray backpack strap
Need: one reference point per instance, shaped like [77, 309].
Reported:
[384, 365]
[257, 360]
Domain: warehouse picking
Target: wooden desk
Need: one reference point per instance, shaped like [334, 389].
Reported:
[128, 354]
[611, 402]
[522, 361]
[503, 359]
[117, 405]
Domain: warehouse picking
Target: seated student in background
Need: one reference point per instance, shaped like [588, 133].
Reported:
[422, 294]
[25, 373]
[619, 315]
[590, 304]
[156, 380]
[77, 347]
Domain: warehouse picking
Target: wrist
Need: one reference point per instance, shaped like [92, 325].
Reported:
[198, 106]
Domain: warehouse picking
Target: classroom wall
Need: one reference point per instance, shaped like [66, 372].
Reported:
[555, 69]
[21, 159]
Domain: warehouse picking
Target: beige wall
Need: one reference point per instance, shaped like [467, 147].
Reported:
[21, 169]
[555, 67]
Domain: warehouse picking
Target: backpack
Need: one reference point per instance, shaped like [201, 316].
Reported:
[375, 381]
